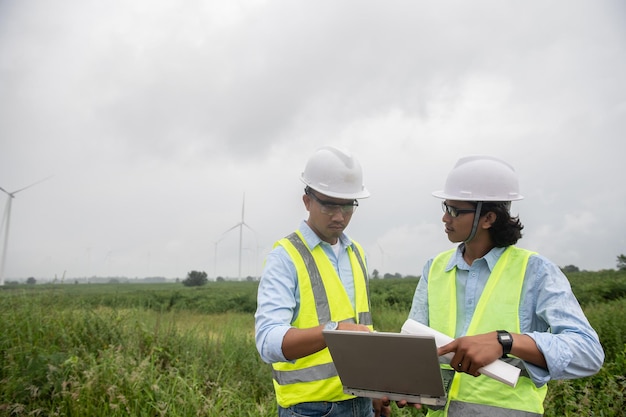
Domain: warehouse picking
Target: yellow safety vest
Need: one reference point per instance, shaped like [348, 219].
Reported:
[497, 308]
[322, 299]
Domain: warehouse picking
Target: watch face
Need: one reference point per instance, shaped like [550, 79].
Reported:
[506, 340]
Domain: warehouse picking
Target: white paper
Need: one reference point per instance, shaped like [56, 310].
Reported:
[498, 370]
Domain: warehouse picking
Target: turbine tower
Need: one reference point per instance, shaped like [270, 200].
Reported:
[6, 222]
[382, 256]
[240, 225]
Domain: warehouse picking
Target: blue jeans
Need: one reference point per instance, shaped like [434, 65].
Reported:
[356, 407]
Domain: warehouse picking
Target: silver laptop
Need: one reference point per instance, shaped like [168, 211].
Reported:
[393, 365]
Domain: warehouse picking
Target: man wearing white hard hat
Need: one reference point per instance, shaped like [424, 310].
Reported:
[316, 279]
[499, 301]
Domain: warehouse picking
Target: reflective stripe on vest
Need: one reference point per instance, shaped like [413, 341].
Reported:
[322, 299]
[458, 408]
[497, 308]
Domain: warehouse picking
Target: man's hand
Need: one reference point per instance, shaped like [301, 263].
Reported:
[381, 407]
[346, 325]
[404, 403]
[472, 352]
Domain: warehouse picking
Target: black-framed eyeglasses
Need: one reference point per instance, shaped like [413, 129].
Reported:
[454, 211]
[330, 208]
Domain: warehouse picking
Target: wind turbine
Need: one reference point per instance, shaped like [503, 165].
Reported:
[239, 225]
[215, 257]
[6, 222]
[382, 255]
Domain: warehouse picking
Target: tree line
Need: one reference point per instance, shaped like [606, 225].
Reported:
[199, 278]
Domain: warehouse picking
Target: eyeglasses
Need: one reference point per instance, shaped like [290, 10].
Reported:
[333, 208]
[453, 211]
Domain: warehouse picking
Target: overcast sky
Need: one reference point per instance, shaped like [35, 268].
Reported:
[154, 118]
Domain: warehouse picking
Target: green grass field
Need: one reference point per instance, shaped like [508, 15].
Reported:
[169, 350]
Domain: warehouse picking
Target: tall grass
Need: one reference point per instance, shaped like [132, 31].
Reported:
[603, 393]
[128, 362]
[163, 349]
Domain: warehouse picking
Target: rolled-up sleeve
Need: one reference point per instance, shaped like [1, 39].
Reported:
[276, 305]
[419, 306]
[552, 316]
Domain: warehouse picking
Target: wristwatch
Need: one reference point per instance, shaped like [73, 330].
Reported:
[331, 325]
[506, 340]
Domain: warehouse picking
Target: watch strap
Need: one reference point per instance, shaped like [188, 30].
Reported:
[506, 340]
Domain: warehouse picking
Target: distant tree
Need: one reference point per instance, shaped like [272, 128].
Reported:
[220, 279]
[195, 279]
[621, 262]
[375, 274]
[570, 268]
[31, 281]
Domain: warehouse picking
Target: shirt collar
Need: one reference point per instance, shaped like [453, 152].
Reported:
[312, 239]
[457, 260]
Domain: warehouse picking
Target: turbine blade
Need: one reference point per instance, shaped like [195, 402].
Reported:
[234, 227]
[243, 205]
[28, 186]
[245, 224]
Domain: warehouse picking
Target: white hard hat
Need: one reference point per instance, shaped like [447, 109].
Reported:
[335, 173]
[481, 178]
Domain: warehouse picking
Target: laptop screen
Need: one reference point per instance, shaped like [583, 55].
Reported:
[381, 364]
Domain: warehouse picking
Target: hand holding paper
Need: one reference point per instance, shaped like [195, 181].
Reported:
[498, 370]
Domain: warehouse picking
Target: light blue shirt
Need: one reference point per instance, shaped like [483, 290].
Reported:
[549, 313]
[278, 298]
